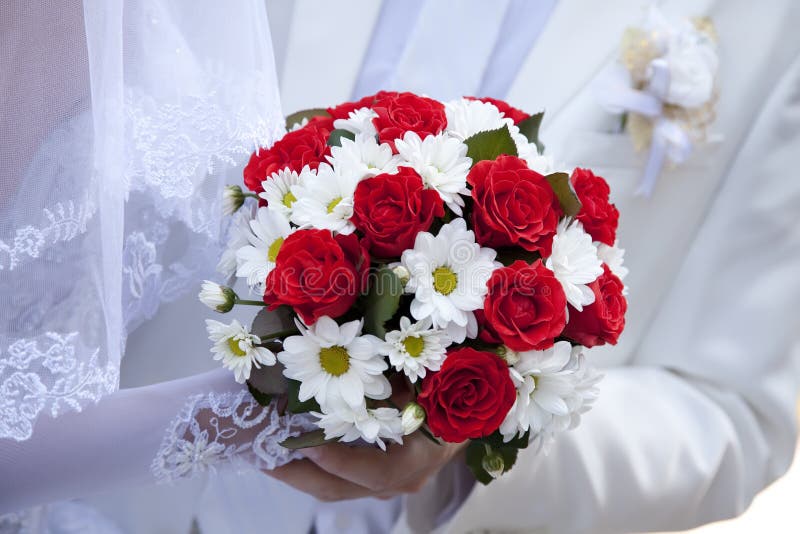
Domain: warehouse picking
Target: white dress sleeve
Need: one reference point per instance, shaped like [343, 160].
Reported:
[121, 122]
[169, 430]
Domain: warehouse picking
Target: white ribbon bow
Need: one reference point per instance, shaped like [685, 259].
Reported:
[669, 139]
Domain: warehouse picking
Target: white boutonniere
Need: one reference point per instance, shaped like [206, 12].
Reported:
[665, 86]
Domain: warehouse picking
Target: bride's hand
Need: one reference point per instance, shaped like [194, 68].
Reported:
[337, 472]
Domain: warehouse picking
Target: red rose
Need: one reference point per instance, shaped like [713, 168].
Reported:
[342, 111]
[306, 146]
[399, 113]
[469, 397]
[602, 321]
[391, 209]
[516, 115]
[317, 274]
[599, 216]
[514, 205]
[485, 331]
[526, 306]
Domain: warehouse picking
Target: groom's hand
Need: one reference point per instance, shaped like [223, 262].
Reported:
[338, 472]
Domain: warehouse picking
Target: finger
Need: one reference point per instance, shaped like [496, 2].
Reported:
[308, 478]
[368, 466]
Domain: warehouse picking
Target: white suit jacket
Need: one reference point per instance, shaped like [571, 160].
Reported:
[697, 409]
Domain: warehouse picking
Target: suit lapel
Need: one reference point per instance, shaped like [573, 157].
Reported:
[316, 33]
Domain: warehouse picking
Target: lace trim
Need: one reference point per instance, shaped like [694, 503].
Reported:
[175, 143]
[235, 430]
[44, 373]
[66, 221]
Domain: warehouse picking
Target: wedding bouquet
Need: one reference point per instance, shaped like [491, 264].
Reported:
[426, 251]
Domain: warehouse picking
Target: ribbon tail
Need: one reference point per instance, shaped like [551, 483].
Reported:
[655, 162]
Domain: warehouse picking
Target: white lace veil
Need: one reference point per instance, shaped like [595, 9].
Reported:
[120, 120]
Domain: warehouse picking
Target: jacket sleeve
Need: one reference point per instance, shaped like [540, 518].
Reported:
[704, 417]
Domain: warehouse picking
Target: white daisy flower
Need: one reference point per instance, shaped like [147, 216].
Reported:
[358, 122]
[466, 117]
[448, 275]
[219, 298]
[416, 348]
[412, 418]
[325, 200]
[237, 238]
[442, 163]
[278, 190]
[238, 349]
[363, 158]
[371, 425]
[554, 387]
[614, 257]
[267, 233]
[574, 262]
[334, 363]
[232, 199]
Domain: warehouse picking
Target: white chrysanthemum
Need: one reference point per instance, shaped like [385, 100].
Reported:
[238, 349]
[371, 425]
[334, 363]
[442, 163]
[466, 117]
[358, 122]
[543, 164]
[278, 190]
[448, 275]
[416, 348]
[325, 200]
[363, 158]
[554, 387]
[574, 262]
[614, 257]
[237, 238]
[267, 232]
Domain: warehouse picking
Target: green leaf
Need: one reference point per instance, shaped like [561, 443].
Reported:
[335, 138]
[559, 181]
[382, 301]
[490, 144]
[530, 129]
[298, 116]
[295, 405]
[314, 438]
[262, 398]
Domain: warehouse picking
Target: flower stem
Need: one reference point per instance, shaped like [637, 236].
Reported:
[251, 195]
[280, 333]
[249, 302]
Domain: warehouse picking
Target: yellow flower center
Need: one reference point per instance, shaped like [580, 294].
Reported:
[288, 199]
[333, 203]
[233, 344]
[334, 360]
[444, 280]
[272, 251]
[414, 345]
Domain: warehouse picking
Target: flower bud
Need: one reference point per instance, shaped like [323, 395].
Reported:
[232, 199]
[218, 298]
[413, 417]
[493, 464]
[403, 274]
[511, 357]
